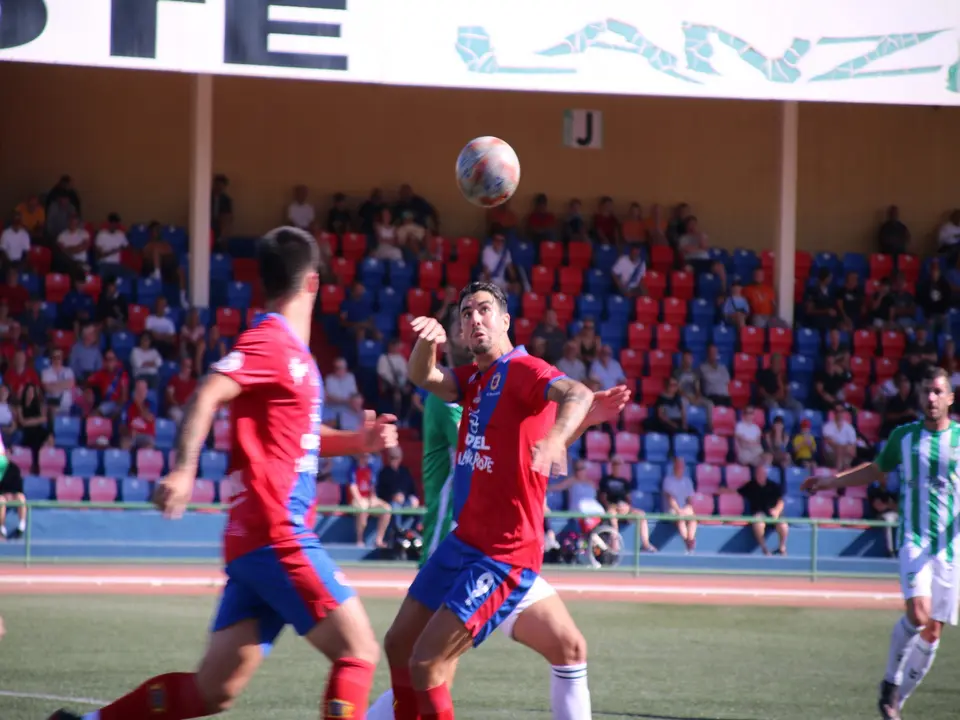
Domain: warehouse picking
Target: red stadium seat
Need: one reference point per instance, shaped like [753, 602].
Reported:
[881, 266]
[580, 254]
[598, 445]
[702, 503]
[739, 393]
[430, 275]
[647, 310]
[860, 369]
[856, 491]
[639, 336]
[99, 431]
[627, 447]
[56, 287]
[523, 328]
[68, 489]
[204, 492]
[632, 363]
[781, 341]
[868, 423]
[650, 389]
[564, 306]
[768, 262]
[132, 260]
[737, 476]
[752, 340]
[802, 262]
[542, 279]
[682, 285]
[228, 321]
[570, 280]
[909, 267]
[252, 314]
[407, 335]
[149, 464]
[731, 505]
[716, 449]
[865, 343]
[468, 251]
[633, 417]
[551, 254]
[668, 337]
[533, 306]
[221, 435]
[884, 368]
[103, 489]
[893, 343]
[419, 302]
[63, 339]
[674, 311]
[91, 286]
[854, 394]
[22, 457]
[247, 270]
[820, 507]
[660, 364]
[724, 420]
[662, 258]
[344, 269]
[331, 298]
[656, 284]
[745, 366]
[39, 258]
[459, 274]
[708, 478]
[594, 471]
[137, 318]
[354, 246]
[850, 508]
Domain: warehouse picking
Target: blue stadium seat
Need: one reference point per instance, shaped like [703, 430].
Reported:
[166, 434]
[368, 352]
[49, 311]
[801, 368]
[556, 500]
[514, 304]
[401, 276]
[148, 290]
[806, 341]
[32, 284]
[789, 421]
[125, 287]
[598, 282]
[647, 476]
[221, 268]
[725, 338]
[604, 256]
[795, 477]
[816, 420]
[686, 446]
[856, 263]
[138, 236]
[614, 334]
[646, 501]
[618, 309]
[794, 506]
[799, 390]
[386, 324]
[116, 462]
[774, 474]
[589, 306]
[213, 464]
[524, 254]
[371, 272]
[84, 462]
[239, 295]
[828, 260]
[390, 301]
[708, 287]
[66, 431]
[656, 448]
[176, 236]
[697, 418]
[135, 490]
[744, 263]
[122, 342]
[340, 469]
[37, 487]
[695, 338]
[702, 312]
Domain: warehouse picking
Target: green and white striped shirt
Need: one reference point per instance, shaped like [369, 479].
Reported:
[929, 487]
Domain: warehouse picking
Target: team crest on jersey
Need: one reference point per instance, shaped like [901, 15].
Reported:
[229, 363]
[340, 709]
[298, 370]
[495, 382]
[157, 697]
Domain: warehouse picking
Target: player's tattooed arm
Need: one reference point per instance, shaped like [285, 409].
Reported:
[215, 390]
[574, 401]
[422, 366]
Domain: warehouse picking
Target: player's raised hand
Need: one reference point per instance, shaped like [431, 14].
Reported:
[608, 404]
[429, 330]
[549, 457]
[173, 493]
[379, 431]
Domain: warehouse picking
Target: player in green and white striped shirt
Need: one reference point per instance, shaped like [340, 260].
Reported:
[928, 456]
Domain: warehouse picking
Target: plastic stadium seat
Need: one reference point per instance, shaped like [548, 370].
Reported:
[715, 449]
[63, 339]
[99, 431]
[639, 336]
[37, 487]
[646, 310]
[430, 275]
[868, 423]
[213, 464]
[648, 476]
[103, 489]
[668, 338]
[632, 362]
[909, 267]
[52, 461]
[221, 435]
[221, 268]
[856, 491]
[702, 503]
[56, 287]
[458, 274]
[580, 255]
[731, 505]
[66, 431]
[204, 492]
[702, 312]
[697, 418]
[22, 457]
[533, 306]
[633, 416]
[752, 340]
[248, 269]
[39, 259]
[660, 364]
[68, 488]
[91, 286]
[802, 263]
[228, 321]
[331, 298]
[135, 490]
[820, 507]
[328, 493]
[656, 447]
[739, 393]
[745, 367]
[708, 478]
[598, 282]
[860, 369]
[650, 389]
[893, 344]
[724, 420]
[598, 445]
[662, 258]
[674, 311]
[589, 306]
[137, 318]
[419, 302]
[854, 394]
[781, 341]
[594, 471]
[570, 280]
[656, 284]
[344, 269]
[368, 353]
[850, 508]
[543, 279]
[150, 464]
[627, 446]
[551, 254]
[468, 250]
[725, 338]
[354, 246]
[523, 328]
[564, 306]
[686, 446]
[807, 341]
[737, 476]
[682, 285]
[881, 266]
[695, 339]
[768, 261]
[251, 315]
[116, 462]
[884, 368]
[84, 462]
[407, 334]
[865, 343]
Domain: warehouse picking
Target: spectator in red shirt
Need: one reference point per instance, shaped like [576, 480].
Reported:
[362, 494]
[112, 385]
[20, 374]
[14, 293]
[179, 389]
[541, 223]
[606, 227]
[141, 422]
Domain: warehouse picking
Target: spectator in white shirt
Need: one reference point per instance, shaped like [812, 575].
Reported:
[570, 364]
[676, 491]
[498, 264]
[748, 439]
[15, 241]
[605, 370]
[58, 382]
[395, 387]
[161, 327]
[840, 440]
[339, 386]
[110, 241]
[75, 242]
[145, 361]
[949, 237]
[628, 272]
[388, 247]
[301, 213]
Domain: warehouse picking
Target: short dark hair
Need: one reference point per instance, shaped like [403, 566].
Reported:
[934, 372]
[286, 254]
[477, 287]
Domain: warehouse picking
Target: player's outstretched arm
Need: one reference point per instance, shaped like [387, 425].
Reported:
[422, 366]
[378, 433]
[574, 401]
[861, 475]
[606, 408]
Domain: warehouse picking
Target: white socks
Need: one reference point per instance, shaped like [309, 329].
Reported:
[569, 694]
[902, 640]
[382, 709]
[919, 662]
[22, 526]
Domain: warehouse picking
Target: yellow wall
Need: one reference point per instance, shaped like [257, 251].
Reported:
[124, 137]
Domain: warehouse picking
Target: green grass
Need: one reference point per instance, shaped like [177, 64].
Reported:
[646, 661]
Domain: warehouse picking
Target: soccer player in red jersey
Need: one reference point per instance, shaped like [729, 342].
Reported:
[277, 572]
[520, 416]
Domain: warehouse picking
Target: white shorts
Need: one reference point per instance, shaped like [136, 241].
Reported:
[922, 575]
[540, 590]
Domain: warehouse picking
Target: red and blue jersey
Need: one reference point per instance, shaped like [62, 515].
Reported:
[276, 437]
[497, 497]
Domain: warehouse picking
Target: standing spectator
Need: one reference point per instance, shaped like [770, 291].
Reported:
[762, 302]
[300, 213]
[606, 370]
[541, 223]
[614, 495]
[570, 364]
[108, 244]
[765, 500]
[934, 297]
[688, 378]
[606, 227]
[111, 384]
[180, 389]
[15, 242]
[339, 387]
[394, 380]
[804, 446]
[161, 327]
[553, 336]
[361, 494]
[75, 244]
[670, 415]
[893, 237]
[59, 213]
[141, 422]
[748, 439]
[676, 491]
[64, 191]
[145, 361]
[820, 304]
[221, 211]
[338, 218]
[34, 218]
[498, 265]
[840, 440]
[715, 378]
[58, 383]
[85, 357]
[850, 302]
[628, 272]
[395, 485]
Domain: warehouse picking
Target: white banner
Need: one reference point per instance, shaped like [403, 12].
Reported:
[874, 51]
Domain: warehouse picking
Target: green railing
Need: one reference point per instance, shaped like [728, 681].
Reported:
[634, 566]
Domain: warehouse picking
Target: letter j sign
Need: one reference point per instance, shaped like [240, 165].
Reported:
[583, 129]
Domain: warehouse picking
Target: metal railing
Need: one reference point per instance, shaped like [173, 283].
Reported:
[816, 525]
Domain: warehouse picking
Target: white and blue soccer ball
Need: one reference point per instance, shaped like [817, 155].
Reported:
[488, 171]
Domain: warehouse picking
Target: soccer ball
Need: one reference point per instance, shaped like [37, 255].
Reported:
[488, 171]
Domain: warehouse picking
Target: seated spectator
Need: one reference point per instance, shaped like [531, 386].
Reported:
[180, 389]
[949, 238]
[765, 499]
[537, 347]
[900, 409]
[498, 265]
[19, 374]
[111, 384]
[74, 243]
[850, 301]
[85, 356]
[15, 294]
[11, 490]
[804, 446]
[893, 237]
[300, 212]
[748, 439]
[588, 341]
[762, 301]
[541, 223]
[339, 387]
[161, 327]
[424, 214]
[676, 491]
[934, 297]
[694, 248]
[361, 495]
[339, 220]
[58, 383]
[394, 381]
[606, 226]
[715, 378]
[141, 422]
[112, 307]
[773, 389]
[570, 363]
[736, 308]
[904, 303]
[921, 351]
[835, 346]
[884, 505]
[395, 485]
[633, 229]
[31, 415]
[776, 441]
[145, 361]
[211, 350]
[34, 218]
[8, 420]
[385, 232]
[606, 370]
[670, 415]
[356, 315]
[677, 223]
[159, 258]
[15, 243]
[553, 336]
[882, 303]
[614, 495]
[352, 417]
[820, 304]
[628, 272]
[108, 244]
[192, 333]
[503, 219]
[574, 228]
[411, 236]
[828, 385]
[688, 377]
[839, 440]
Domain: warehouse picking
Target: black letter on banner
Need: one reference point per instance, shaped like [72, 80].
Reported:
[247, 28]
[588, 130]
[133, 27]
[21, 22]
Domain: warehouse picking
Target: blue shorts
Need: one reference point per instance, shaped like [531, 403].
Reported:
[279, 586]
[481, 591]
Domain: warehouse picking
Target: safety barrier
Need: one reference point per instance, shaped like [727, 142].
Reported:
[632, 561]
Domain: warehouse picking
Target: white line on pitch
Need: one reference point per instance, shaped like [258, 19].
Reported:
[51, 698]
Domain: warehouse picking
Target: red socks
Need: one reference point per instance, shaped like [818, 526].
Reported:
[435, 703]
[166, 697]
[348, 690]
[404, 697]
